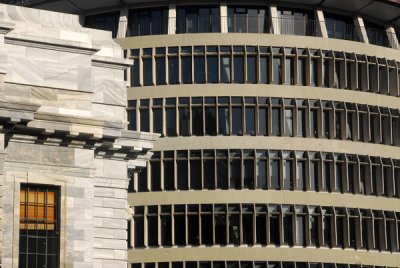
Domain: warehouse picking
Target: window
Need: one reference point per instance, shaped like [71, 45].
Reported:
[148, 22]
[198, 20]
[248, 20]
[104, 21]
[39, 238]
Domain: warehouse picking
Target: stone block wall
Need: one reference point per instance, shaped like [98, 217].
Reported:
[63, 122]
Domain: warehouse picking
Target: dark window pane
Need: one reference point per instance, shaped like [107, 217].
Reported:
[235, 180]
[263, 121]
[169, 175]
[250, 120]
[199, 70]
[195, 175]
[225, 69]
[222, 174]
[238, 69]
[187, 70]
[223, 120]
[171, 121]
[275, 174]
[197, 121]
[155, 176]
[173, 69]
[160, 71]
[144, 120]
[184, 122]
[248, 179]
[276, 122]
[262, 174]
[212, 69]
[237, 121]
[209, 174]
[264, 68]
[157, 120]
[277, 71]
[147, 72]
[182, 166]
[211, 121]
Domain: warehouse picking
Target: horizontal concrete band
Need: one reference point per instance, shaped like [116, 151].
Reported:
[277, 143]
[265, 253]
[264, 197]
[259, 40]
[264, 90]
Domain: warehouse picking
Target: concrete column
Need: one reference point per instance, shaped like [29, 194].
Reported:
[275, 23]
[392, 37]
[361, 31]
[224, 17]
[172, 17]
[320, 21]
[123, 23]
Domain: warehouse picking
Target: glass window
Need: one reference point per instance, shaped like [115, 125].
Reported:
[301, 69]
[135, 69]
[288, 176]
[262, 174]
[166, 226]
[223, 120]
[225, 68]
[104, 21]
[184, 123]
[289, 67]
[276, 123]
[193, 225]
[288, 122]
[148, 71]
[171, 120]
[277, 71]
[182, 166]
[148, 22]
[169, 174]
[212, 69]
[199, 65]
[152, 226]
[237, 120]
[275, 174]
[180, 224]
[155, 175]
[236, 171]
[139, 227]
[264, 70]
[39, 226]
[251, 69]
[173, 70]
[209, 173]
[197, 117]
[198, 19]
[186, 65]
[250, 120]
[248, 180]
[222, 170]
[195, 174]
[238, 67]
[220, 225]
[314, 72]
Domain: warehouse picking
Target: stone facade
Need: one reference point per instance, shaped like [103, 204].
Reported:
[63, 122]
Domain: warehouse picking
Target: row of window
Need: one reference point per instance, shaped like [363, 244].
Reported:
[265, 224]
[272, 170]
[262, 116]
[240, 19]
[248, 264]
[263, 65]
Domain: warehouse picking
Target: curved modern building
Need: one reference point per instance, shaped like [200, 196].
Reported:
[280, 129]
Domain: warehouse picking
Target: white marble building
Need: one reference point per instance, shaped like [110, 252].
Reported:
[64, 147]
